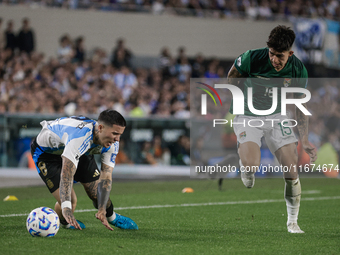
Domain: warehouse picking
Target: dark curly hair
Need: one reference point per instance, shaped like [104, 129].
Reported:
[112, 117]
[281, 38]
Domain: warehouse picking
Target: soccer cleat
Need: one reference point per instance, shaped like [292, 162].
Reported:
[123, 222]
[69, 226]
[248, 178]
[294, 228]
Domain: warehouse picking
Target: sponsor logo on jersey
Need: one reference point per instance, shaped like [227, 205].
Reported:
[287, 82]
[243, 134]
[113, 158]
[77, 157]
[96, 173]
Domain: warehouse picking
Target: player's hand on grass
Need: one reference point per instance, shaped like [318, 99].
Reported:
[311, 151]
[68, 215]
[101, 215]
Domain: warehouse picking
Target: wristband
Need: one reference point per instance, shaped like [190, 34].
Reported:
[66, 204]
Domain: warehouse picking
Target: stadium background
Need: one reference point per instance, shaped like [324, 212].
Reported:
[153, 93]
[201, 41]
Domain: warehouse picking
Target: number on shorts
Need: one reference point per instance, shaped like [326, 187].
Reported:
[42, 167]
[285, 130]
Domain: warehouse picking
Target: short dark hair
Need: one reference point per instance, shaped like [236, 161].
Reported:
[112, 117]
[281, 38]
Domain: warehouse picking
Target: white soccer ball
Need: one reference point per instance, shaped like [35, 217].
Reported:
[43, 221]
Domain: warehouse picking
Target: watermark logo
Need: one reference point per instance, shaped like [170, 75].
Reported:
[204, 97]
[238, 99]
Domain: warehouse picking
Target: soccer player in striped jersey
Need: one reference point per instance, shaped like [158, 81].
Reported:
[63, 153]
[263, 69]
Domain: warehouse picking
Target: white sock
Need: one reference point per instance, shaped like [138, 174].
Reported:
[292, 197]
[112, 217]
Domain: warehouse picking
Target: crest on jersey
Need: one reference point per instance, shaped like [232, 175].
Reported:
[287, 82]
[243, 134]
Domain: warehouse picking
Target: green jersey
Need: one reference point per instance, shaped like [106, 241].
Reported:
[262, 78]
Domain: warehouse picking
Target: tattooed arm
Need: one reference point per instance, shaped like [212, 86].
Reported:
[302, 127]
[66, 181]
[234, 76]
[104, 189]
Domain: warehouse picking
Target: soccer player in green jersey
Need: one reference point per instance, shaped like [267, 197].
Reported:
[272, 67]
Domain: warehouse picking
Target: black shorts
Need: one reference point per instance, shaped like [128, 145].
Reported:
[49, 167]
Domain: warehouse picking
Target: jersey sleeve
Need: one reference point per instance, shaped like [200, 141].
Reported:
[76, 146]
[109, 156]
[242, 63]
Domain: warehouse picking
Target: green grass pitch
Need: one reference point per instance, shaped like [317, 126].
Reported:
[207, 221]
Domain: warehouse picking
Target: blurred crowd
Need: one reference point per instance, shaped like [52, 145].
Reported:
[253, 9]
[324, 124]
[81, 82]
[156, 152]
[76, 81]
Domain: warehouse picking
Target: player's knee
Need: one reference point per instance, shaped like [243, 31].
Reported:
[291, 162]
[291, 175]
[288, 159]
[290, 171]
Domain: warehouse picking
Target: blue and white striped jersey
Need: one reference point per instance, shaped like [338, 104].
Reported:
[73, 137]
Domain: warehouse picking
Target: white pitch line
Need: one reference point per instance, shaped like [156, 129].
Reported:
[190, 205]
[307, 192]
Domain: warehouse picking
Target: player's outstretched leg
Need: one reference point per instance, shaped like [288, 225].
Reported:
[293, 197]
[287, 156]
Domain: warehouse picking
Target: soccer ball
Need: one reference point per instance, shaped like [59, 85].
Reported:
[43, 221]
